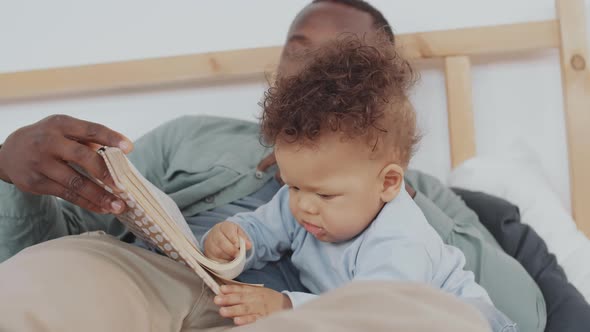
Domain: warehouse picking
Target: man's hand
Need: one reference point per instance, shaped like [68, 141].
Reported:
[35, 159]
[267, 162]
[245, 304]
[223, 241]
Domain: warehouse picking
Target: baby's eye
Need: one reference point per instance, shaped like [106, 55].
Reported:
[326, 196]
[294, 188]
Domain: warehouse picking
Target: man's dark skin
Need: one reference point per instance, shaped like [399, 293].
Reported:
[35, 158]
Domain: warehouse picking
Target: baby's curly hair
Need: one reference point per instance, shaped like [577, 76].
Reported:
[352, 87]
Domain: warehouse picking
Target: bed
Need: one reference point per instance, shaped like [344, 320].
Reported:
[453, 51]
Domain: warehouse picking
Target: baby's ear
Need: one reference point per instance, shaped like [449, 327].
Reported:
[391, 177]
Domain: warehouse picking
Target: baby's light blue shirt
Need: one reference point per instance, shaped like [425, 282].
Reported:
[398, 245]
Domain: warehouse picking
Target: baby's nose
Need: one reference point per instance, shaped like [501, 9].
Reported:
[307, 205]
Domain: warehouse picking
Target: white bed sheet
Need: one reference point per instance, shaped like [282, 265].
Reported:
[516, 176]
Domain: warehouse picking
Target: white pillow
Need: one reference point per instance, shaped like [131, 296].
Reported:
[518, 181]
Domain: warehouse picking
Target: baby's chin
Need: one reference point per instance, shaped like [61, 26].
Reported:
[326, 237]
[320, 233]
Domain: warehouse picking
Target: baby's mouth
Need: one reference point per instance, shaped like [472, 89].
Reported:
[313, 229]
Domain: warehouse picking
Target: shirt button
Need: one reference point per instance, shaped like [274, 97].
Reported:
[209, 199]
[259, 175]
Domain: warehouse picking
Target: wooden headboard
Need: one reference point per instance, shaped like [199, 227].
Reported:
[454, 48]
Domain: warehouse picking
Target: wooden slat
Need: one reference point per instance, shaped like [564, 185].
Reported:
[576, 93]
[203, 68]
[460, 109]
[508, 38]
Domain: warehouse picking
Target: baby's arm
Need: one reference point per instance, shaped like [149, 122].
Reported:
[270, 230]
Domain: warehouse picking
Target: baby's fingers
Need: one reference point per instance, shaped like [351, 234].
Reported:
[227, 247]
[244, 309]
[229, 299]
[233, 233]
[243, 320]
[218, 247]
[244, 236]
[230, 289]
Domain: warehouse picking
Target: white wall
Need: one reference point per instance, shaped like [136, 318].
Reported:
[516, 98]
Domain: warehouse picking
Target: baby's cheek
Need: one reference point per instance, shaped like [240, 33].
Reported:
[292, 205]
[341, 224]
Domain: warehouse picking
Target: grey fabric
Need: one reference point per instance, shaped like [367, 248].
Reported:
[567, 310]
[512, 290]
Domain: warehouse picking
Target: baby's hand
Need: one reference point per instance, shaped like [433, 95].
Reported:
[245, 304]
[223, 241]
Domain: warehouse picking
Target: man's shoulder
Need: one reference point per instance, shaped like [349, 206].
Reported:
[209, 120]
[200, 127]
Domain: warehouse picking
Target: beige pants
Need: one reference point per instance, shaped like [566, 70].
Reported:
[93, 282]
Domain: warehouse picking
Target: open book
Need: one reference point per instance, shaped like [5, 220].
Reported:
[154, 217]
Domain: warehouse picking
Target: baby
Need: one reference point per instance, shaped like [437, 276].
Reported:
[343, 132]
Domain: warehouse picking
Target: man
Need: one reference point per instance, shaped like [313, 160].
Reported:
[209, 184]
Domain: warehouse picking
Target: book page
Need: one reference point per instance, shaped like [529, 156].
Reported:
[171, 209]
[155, 217]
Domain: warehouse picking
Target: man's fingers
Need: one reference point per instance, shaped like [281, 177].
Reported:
[90, 132]
[87, 158]
[53, 188]
[105, 176]
[78, 188]
[42, 155]
[93, 146]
